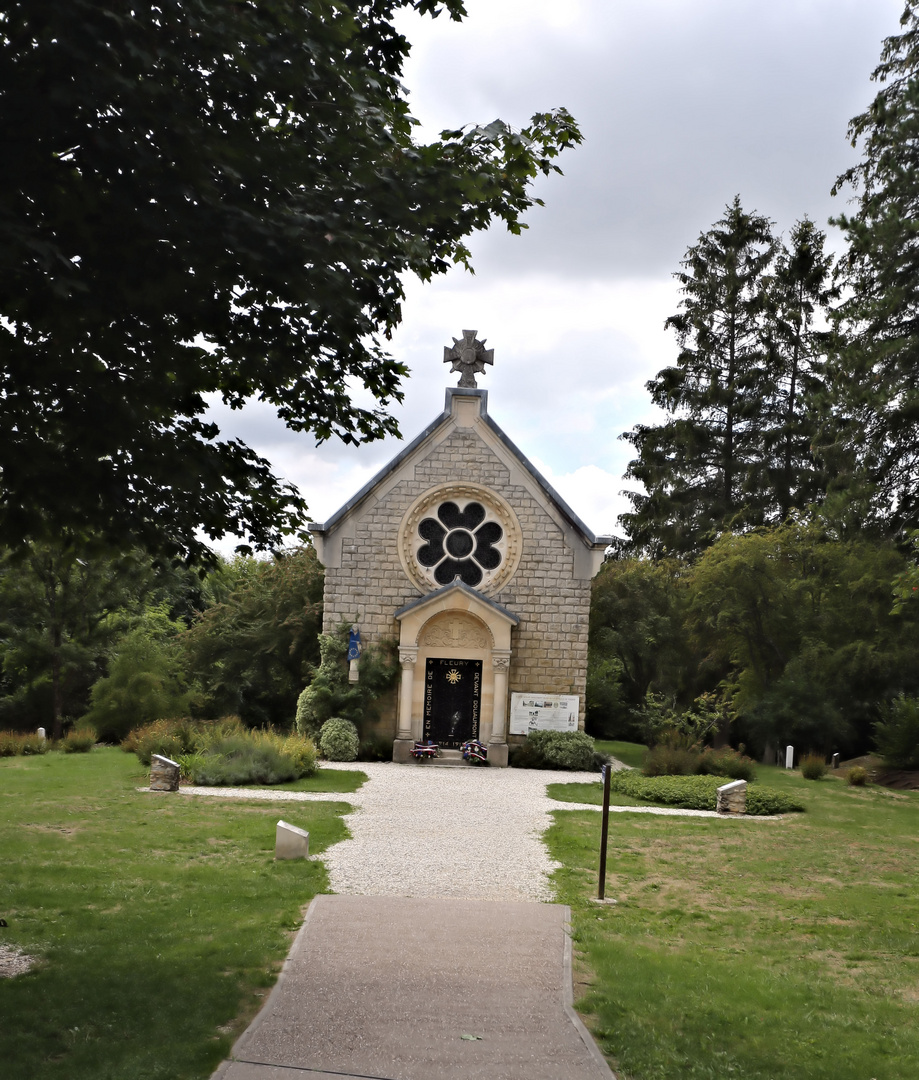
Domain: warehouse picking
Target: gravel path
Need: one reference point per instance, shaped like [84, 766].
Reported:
[451, 832]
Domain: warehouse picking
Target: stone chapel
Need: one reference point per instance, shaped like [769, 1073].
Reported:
[461, 551]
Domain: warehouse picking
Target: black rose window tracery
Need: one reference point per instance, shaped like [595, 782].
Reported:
[459, 543]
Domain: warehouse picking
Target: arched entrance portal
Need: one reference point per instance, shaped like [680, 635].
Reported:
[455, 650]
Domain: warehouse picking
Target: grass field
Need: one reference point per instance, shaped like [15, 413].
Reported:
[755, 949]
[160, 921]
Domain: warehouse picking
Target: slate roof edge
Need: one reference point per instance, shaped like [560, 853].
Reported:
[410, 448]
[564, 509]
[463, 587]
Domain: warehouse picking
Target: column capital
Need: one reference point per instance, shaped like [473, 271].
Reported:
[408, 657]
[501, 659]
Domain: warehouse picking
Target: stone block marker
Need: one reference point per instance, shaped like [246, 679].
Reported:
[164, 774]
[291, 842]
[732, 798]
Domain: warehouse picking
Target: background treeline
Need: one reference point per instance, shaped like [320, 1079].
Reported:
[779, 634]
[119, 641]
[764, 584]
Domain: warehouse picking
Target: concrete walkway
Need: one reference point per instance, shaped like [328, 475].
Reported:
[398, 988]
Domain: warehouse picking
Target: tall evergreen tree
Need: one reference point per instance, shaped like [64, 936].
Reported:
[801, 291]
[701, 467]
[876, 374]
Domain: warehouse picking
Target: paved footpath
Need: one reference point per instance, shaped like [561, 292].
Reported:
[394, 988]
[436, 961]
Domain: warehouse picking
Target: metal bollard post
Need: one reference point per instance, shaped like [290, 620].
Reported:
[604, 833]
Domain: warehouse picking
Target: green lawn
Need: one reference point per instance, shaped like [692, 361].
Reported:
[756, 949]
[629, 753]
[160, 920]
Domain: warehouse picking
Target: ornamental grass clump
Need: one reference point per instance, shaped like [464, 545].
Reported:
[169, 738]
[675, 755]
[339, 740]
[856, 776]
[813, 767]
[79, 740]
[726, 762]
[18, 744]
[225, 752]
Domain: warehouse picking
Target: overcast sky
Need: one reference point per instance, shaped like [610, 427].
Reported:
[683, 104]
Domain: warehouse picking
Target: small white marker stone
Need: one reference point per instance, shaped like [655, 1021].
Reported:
[789, 757]
[291, 842]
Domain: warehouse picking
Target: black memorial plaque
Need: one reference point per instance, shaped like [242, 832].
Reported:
[452, 695]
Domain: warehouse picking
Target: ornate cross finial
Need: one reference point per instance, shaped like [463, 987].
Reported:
[468, 356]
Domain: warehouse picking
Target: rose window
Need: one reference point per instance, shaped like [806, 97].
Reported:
[459, 543]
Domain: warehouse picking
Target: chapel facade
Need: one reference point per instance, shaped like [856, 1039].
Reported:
[463, 553]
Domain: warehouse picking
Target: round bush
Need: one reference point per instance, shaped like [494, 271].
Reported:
[338, 740]
[857, 776]
[813, 767]
[571, 750]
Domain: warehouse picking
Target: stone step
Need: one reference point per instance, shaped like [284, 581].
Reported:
[449, 759]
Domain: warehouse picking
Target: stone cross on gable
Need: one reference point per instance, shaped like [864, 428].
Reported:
[468, 356]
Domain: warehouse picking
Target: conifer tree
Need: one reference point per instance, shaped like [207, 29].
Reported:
[702, 467]
[876, 388]
[800, 293]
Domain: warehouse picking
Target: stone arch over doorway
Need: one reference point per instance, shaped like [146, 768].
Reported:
[458, 624]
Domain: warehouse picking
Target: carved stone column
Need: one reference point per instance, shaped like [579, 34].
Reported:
[402, 747]
[497, 744]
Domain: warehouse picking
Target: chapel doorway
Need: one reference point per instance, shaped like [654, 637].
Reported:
[452, 700]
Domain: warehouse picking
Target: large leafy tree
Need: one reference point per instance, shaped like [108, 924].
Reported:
[251, 651]
[877, 390]
[803, 621]
[201, 198]
[61, 609]
[701, 469]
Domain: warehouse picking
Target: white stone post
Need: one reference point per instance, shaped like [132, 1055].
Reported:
[402, 747]
[789, 757]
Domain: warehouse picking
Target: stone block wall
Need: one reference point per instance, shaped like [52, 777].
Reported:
[550, 644]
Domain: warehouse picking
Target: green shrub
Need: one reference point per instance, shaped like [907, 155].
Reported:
[170, 738]
[665, 759]
[570, 750]
[144, 681]
[726, 762]
[813, 767]
[897, 734]
[79, 740]
[697, 792]
[338, 740]
[224, 751]
[857, 776]
[375, 748]
[16, 744]
[238, 760]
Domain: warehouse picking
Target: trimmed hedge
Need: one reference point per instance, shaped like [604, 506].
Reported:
[566, 750]
[698, 792]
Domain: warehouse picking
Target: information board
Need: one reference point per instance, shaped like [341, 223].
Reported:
[543, 712]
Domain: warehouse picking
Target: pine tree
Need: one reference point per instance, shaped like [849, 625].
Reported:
[702, 467]
[800, 294]
[876, 374]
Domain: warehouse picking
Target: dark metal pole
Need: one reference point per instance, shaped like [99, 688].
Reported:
[604, 834]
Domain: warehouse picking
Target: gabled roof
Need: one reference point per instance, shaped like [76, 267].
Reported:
[445, 593]
[454, 395]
